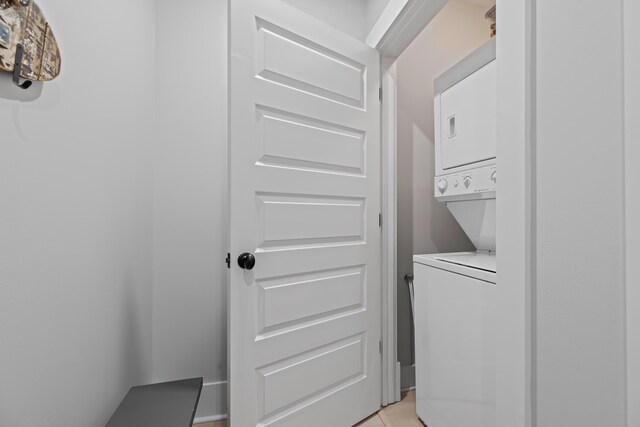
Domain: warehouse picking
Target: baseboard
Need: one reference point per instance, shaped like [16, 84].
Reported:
[398, 382]
[213, 399]
[213, 403]
[407, 377]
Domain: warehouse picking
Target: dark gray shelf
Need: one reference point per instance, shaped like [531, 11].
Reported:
[170, 404]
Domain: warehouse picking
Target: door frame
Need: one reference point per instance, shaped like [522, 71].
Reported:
[516, 148]
[632, 207]
[390, 364]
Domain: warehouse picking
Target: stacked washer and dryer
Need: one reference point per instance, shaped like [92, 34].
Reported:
[455, 321]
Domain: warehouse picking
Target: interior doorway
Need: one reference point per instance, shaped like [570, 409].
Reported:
[515, 97]
[425, 225]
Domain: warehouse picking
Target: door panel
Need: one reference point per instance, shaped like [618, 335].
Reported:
[340, 362]
[296, 62]
[289, 140]
[294, 220]
[304, 324]
[300, 299]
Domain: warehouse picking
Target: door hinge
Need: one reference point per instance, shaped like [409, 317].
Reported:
[380, 346]
[228, 260]
[380, 220]
[380, 93]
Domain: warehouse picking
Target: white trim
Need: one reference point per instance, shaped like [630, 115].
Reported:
[515, 222]
[411, 20]
[213, 402]
[210, 419]
[390, 380]
[390, 13]
[632, 206]
[407, 376]
[398, 376]
[531, 191]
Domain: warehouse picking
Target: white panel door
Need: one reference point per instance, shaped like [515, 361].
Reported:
[304, 323]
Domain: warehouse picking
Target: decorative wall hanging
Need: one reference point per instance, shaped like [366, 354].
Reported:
[28, 47]
[491, 16]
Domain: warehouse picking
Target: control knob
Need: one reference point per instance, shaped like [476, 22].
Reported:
[467, 181]
[442, 186]
[494, 176]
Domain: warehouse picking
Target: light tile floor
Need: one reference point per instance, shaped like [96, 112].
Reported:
[212, 424]
[401, 414]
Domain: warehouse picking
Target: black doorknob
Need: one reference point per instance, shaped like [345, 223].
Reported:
[247, 261]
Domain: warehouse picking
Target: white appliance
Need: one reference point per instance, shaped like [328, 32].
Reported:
[455, 339]
[455, 293]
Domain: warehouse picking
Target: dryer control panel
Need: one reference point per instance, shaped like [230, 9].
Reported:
[470, 184]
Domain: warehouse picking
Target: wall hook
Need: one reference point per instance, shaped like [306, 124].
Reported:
[17, 67]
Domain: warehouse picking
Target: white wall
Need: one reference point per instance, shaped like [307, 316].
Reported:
[190, 209]
[374, 9]
[580, 215]
[84, 163]
[75, 220]
[424, 224]
[348, 16]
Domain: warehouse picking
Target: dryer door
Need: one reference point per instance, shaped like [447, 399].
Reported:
[468, 119]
